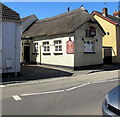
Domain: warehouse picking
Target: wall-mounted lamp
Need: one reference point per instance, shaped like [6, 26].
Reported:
[97, 40]
[107, 33]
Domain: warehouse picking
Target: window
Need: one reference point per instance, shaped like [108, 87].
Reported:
[35, 47]
[46, 46]
[89, 46]
[58, 45]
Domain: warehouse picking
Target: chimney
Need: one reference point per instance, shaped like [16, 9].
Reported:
[105, 12]
[116, 14]
[68, 9]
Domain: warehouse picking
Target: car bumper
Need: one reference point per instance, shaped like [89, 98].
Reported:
[106, 112]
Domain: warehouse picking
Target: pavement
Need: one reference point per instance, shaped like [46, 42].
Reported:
[33, 72]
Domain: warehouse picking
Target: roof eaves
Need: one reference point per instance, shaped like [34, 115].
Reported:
[105, 18]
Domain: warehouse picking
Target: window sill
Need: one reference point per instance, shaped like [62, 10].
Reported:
[46, 53]
[90, 36]
[58, 53]
[35, 53]
[89, 52]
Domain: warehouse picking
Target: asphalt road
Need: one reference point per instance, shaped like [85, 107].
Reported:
[80, 100]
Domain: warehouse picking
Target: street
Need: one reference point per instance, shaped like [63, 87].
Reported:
[65, 97]
[59, 58]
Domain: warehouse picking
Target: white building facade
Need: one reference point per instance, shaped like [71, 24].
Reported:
[72, 39]
[26, 22]
[10, 41]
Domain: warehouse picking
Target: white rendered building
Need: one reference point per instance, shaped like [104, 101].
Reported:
[10, 38]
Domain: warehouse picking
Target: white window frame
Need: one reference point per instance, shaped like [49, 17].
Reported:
[46, 47]
[89, 46]
[58, 46]
[35, 47]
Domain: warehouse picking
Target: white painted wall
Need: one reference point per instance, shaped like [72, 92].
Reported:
[62, 60]
[81, 58]
[11, 37]
[0, 47]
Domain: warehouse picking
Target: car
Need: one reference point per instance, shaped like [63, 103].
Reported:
[111, 104]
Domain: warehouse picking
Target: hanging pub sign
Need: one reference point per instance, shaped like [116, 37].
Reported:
[70, 47]
[92, 31]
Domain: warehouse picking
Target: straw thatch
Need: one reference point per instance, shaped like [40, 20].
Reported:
[60, 24]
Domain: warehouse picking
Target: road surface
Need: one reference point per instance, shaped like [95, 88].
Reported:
[80, 99]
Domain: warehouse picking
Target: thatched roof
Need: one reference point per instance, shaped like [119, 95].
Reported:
[7, 14]
[61, 24]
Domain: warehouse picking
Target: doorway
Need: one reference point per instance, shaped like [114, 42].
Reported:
[107, 55]
[27, 53]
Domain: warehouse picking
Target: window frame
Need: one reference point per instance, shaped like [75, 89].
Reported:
[35, 47]
[46, 47]
[89, 47]
[58, 46]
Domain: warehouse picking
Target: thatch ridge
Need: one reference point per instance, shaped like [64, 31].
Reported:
[59, 16]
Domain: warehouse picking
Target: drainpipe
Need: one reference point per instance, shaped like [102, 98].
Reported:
[1, 51]
[40, 55]
[118, 43]
[15, 49]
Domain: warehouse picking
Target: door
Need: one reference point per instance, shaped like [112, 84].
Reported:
[27, 53]
[107, 55]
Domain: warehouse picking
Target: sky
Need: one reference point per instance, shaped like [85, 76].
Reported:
[48, 9]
